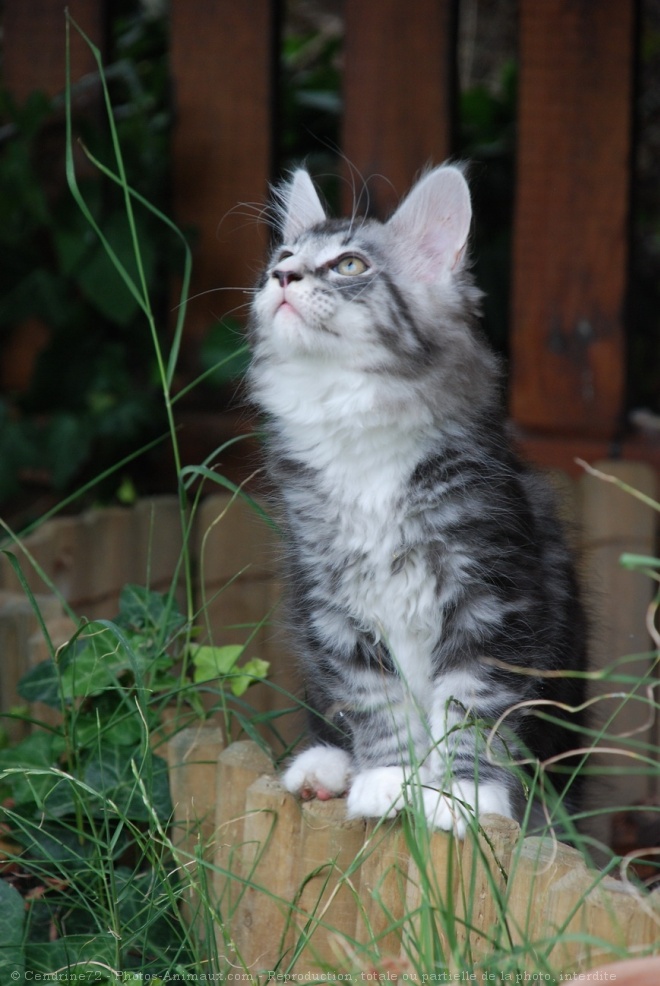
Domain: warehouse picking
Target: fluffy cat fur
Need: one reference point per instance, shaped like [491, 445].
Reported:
[431, 590]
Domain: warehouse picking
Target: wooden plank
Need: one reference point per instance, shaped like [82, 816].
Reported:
[484, 867]
[538, 865]
[222, 63]
[612, 522]
[432, 888]
[327, 874]
[262, 928]
[570, 237]
[239, 766]
[398, 84]
[192, 756]
[383, 886]
[561, 451]
[33, 50]
[18, 623]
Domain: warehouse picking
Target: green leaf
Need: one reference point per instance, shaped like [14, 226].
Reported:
[123, 730]
[12, 921]
[27, 768]
[41, 684]
[140, 608]
[214, 662]
[100, 660]
[111, 774]
[99, 279]
[221, 662]
[251, 672]
[81, 955]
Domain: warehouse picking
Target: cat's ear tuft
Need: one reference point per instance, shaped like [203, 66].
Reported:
[299, 206]
[433, 222]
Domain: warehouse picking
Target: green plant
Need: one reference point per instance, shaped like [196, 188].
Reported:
[86, 801]
[85, 797]
[88, 389]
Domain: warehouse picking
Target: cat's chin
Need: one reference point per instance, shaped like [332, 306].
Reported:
[291, 333]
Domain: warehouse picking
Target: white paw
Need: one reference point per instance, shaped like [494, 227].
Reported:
[321, 772]
[452, 810]
[376, 793]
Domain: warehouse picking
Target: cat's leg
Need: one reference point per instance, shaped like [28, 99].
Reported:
[390, 749]
[466, 779]
[377, 792]
[462, 800]
[321, 772]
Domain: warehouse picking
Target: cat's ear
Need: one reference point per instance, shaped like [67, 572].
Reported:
[432, 223]
[299, 205]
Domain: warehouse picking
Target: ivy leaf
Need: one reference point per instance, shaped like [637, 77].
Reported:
[251, 672]
[29, 765]
[140, 608]
[111, 774]
[214, 662]
[83, 953]
[221, 662]
[12, 920]
[100, 660]
[41, 684]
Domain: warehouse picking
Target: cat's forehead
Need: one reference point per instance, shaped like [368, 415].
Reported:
[334, 236]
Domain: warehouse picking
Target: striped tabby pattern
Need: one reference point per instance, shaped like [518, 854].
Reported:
[430, 587]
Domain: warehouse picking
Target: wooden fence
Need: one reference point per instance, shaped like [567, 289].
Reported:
[303, 880]
[573, 170]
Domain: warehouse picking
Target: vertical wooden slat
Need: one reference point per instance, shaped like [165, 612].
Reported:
[239, 766]
[221, 59]
[263, 927]
[613, 522]
[33, 50]
[398, 89]
[570, 250]
[329, 845]
[192, 757]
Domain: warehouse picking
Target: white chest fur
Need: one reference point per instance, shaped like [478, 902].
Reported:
[363, 445]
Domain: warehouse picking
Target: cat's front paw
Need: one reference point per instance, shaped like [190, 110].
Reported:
[376, 793]
[321, 772]
[453, 809]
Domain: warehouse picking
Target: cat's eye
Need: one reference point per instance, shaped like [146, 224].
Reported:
[350, 266]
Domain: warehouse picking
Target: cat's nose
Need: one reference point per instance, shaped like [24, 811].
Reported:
[286, 276]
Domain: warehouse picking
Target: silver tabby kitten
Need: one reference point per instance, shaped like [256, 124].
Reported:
[425, 564]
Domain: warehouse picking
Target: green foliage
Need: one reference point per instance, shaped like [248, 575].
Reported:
[87, 801]
[12, 923]
[92, 392]
[221, 662]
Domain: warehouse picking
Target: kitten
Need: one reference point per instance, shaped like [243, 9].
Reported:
[430, 584]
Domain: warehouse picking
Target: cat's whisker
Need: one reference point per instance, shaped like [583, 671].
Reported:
[216, 290]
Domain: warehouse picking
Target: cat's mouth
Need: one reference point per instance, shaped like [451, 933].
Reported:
[285, 306]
